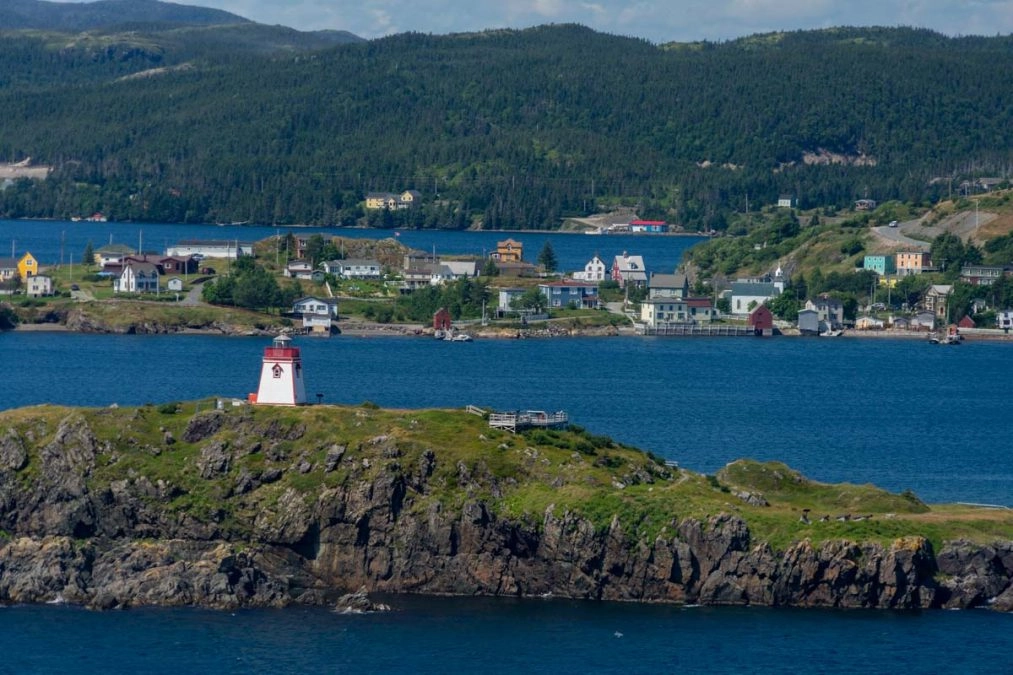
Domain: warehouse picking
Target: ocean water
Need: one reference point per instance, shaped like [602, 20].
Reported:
[53, 242]
[483, 635]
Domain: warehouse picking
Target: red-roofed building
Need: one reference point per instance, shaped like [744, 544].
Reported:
[649, 226]
[966, 322]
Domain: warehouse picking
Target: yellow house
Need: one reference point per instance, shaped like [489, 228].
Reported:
[509, 251]
[378, 200]
[28, 266]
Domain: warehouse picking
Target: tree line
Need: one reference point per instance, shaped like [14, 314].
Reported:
[507, 129]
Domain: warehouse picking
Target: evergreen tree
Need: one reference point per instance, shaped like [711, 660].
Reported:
[547, 257]
[88, 257]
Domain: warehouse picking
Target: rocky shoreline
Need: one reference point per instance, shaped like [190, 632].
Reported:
[375, 520]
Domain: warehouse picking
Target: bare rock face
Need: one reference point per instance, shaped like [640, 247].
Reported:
[359, 603]
[13, 455]
[214, 459]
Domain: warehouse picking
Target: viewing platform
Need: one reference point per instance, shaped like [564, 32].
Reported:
[524, 419]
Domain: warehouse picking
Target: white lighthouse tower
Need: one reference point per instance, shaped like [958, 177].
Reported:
[281, 381]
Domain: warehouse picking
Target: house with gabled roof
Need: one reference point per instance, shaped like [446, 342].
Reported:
[629, 269]
[594, 270]
[936, 299]
[39, 285]
[748, 294]
[508, 251]
[137, 277]
[354, 268]
[313, 305]
[8, 268]
[829, 310]
[668, 286]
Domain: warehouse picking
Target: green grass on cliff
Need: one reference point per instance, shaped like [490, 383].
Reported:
[449, 458]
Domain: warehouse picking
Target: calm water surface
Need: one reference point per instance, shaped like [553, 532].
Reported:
[54, 241]
[473, 635]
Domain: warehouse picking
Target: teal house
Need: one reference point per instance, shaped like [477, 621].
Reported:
[881, 264]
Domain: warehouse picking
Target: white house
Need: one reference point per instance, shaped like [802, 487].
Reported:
[137, 277]
[299, 269]
[112, 254]
[594, 270]
[211, 248]
[869, 323]
[507, 296]
[354, 268]
[629, 269]
[460, 269]
[748, 294]
[1004, 319]
[663, 311]
[39, 285]
[313, 305]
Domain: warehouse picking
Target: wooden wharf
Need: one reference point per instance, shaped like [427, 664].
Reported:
[695, 329]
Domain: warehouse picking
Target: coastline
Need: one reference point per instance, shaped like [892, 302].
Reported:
[213, 510]
[365, 329]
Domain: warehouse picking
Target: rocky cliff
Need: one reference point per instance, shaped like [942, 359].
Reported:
[266, 507]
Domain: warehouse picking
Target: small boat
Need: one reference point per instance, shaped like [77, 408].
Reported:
[461, 337]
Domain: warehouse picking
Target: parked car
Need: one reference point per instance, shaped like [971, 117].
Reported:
[893, 223]
[75, 287]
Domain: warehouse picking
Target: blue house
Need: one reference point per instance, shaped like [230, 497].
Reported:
[570, 293]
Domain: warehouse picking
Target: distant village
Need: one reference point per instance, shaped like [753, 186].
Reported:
[654, 302]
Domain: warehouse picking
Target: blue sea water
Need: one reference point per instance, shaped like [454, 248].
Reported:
[481, 635]
[53, 242]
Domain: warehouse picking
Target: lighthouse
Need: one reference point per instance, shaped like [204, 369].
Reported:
[281, 381]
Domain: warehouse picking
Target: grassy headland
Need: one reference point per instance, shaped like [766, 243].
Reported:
[307, 451]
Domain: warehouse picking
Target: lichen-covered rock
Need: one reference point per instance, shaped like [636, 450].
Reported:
[13, 455]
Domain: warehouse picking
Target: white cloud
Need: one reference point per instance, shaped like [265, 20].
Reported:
[656, 20]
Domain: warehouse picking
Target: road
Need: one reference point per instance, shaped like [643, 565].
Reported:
[896, 236]
[965, 225]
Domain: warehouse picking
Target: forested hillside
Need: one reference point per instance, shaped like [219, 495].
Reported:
[502, 128]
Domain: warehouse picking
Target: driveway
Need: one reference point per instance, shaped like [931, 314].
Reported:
[193, 297]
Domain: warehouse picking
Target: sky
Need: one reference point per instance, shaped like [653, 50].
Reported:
[655, 20]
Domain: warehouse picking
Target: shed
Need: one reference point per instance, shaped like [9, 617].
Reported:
[808, 322]
[762, 320]
[441, 319]
[966, 322]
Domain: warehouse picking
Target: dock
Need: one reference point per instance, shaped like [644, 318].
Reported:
[695, 329]
[520, 420]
